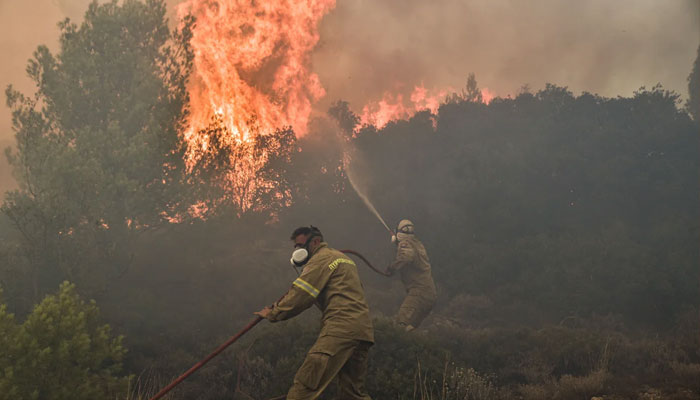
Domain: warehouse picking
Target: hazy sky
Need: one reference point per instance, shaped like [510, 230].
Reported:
[370, 46]
[602, 46]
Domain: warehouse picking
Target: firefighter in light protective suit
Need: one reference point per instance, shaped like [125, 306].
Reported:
[412, 262]
[329, 279]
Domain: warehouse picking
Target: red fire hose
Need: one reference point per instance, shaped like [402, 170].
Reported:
[235, 337]
[200, 364]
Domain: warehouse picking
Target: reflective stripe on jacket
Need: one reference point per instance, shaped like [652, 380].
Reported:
[329, 279]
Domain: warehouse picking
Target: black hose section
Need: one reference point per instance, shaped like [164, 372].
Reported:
[361, 257]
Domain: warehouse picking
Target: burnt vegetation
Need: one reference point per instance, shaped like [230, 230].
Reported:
[562, 230]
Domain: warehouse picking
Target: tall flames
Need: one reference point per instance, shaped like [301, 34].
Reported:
[251, 67]
[252, 77]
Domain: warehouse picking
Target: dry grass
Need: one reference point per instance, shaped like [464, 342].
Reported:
[582, 387]
[456, 383]
[146, 385]
[687, 375]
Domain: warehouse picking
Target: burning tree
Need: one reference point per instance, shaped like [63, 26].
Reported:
[251, 79]
[241, 175]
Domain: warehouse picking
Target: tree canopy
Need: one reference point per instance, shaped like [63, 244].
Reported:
[98, 156]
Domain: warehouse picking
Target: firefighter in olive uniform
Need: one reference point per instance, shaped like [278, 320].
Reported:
[412, 262]
[329, 279]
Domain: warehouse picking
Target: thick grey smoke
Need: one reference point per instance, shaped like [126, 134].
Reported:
[606, 47]
[368, 47]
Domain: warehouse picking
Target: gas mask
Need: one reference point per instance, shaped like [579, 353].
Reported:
[403, 231]
[399, 237]
[301, 255]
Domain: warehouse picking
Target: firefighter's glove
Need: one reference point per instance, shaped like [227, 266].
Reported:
[264, 312]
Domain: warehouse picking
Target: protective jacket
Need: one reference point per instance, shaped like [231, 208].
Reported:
[329, 279]
[412, 261]
[413, 264]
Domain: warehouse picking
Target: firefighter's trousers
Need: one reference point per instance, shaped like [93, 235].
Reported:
[330, 357]
[415, 307]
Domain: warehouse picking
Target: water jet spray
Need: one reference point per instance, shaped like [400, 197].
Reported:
[351, 177]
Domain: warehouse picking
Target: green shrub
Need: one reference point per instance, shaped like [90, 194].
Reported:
[61, 351]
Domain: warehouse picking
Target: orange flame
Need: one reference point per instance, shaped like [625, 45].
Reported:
[251, 67]
[250, 78]
[394, 107]
[487, 95]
